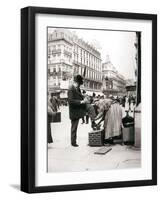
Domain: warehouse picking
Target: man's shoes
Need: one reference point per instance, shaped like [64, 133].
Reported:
[75, 145]
[108, 141]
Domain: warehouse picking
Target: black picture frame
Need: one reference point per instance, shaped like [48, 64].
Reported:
[28, 98]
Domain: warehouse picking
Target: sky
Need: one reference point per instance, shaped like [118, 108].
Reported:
[119, 45]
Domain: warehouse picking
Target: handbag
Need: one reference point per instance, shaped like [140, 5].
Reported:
[56, 118]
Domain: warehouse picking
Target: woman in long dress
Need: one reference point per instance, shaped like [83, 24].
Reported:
[113, 120]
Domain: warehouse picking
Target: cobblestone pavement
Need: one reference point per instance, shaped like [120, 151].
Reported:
[62, 157]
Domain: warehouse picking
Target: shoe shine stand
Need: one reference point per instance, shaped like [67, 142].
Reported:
[96, 137]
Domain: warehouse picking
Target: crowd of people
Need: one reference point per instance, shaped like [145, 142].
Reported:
[96, 110]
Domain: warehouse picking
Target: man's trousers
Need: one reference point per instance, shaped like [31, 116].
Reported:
[74, 126]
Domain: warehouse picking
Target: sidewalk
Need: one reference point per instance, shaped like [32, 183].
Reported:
[62, 157]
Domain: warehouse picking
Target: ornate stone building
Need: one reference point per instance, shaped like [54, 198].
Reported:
[69, 55]
[113, 82]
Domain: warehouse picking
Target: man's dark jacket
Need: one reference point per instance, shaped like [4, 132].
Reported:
[76, 109]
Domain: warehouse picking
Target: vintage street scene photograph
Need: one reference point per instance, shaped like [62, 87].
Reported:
[93, 99]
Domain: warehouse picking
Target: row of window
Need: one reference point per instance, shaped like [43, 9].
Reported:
[85, 51]
[85, 57]
[89, 62]
[65, 68]
[59, 68]
[77, 50]
[94, 75]
[57, 58]
[89, 74]
[91, 85]
[59, 47]
[64, 55]
[68, 57]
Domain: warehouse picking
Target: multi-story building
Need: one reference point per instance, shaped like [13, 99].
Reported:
[113, 82]
[60, 68]
[69, 55]
[131, 87]
[87, 61]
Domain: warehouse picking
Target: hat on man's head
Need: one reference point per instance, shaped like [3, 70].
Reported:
[79, 79]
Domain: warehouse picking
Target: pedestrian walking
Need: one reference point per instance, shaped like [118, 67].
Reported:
[54, 102]
[51, 115]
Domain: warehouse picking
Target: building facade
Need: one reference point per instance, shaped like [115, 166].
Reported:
[69, 55]
[113, 82]
[131, 87]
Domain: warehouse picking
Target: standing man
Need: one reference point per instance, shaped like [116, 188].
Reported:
[78, 106]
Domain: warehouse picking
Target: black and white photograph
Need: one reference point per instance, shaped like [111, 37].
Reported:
[88, 99]
[93, 99]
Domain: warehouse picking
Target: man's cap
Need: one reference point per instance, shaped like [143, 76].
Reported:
[79, 79]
